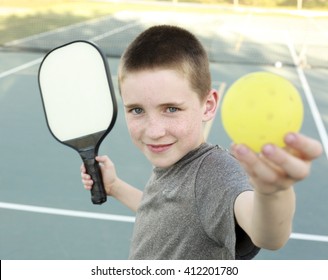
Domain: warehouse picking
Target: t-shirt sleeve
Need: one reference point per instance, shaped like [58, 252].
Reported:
[220, 180]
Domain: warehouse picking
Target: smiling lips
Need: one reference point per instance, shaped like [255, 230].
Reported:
[159, 148]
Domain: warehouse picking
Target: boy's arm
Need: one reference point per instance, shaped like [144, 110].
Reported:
[114, 186]
[127, 195]
[267, 213]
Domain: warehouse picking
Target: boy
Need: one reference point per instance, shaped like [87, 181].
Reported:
[199, 202]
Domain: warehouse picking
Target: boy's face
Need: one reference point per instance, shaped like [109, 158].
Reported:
[164, 115]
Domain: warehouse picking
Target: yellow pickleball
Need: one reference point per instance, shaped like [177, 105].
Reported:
[260, 108]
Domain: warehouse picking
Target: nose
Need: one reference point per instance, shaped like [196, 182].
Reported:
[155, 128]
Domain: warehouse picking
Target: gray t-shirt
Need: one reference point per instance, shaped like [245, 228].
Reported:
[187, 210]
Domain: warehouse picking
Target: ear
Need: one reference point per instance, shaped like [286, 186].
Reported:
[210, 105]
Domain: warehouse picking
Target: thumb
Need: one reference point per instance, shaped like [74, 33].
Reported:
[104, 161]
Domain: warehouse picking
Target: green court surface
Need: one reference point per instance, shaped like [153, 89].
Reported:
[44, 211]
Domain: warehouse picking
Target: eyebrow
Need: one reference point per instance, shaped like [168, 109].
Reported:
[169, 104]
[129, 106]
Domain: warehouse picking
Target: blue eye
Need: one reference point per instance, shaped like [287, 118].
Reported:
[172, 109]
[136, 111]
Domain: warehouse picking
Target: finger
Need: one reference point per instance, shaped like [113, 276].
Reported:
[82, 168]
[88, 187]
[306, 147]
[295, 167]
[104, 161]
[87, 183]
[265, 176]
[85, 176]
[255, 165]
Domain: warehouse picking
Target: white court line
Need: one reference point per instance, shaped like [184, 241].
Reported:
[310, 237]
[65, 212]
[308, 94]
[36, 61]
[20, 68]
[114, 31]
[118, 218]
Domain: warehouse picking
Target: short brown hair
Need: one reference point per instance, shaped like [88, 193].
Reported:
[169, 47]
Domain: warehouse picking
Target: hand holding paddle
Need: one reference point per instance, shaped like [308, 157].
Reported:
[79, 103]
[108, 172]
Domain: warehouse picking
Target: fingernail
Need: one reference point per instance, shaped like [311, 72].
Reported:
[242, 150]
[268, 149]
[290, 138]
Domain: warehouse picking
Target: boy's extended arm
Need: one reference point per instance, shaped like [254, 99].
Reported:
[114, 186]
[267, 219]
[267, 213]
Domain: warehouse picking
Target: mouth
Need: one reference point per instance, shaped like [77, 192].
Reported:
[159, 148]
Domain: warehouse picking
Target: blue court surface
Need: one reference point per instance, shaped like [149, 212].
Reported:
[44, 211]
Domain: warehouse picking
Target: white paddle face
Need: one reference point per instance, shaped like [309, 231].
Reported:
[75, 90]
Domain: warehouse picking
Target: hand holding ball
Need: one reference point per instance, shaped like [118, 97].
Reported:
[261, 108]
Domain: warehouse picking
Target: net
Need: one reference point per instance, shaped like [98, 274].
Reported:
[226, 41]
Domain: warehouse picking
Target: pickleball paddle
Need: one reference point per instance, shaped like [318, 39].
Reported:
[79, 102]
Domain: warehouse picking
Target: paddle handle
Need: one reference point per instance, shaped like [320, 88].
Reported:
[98, 193]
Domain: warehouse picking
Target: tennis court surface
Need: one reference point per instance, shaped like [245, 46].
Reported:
[44, 211]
